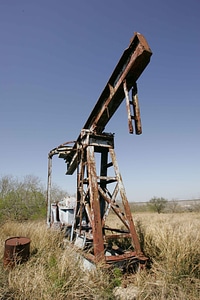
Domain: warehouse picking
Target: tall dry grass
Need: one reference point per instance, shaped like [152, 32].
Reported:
[172, 241]
[52, 272]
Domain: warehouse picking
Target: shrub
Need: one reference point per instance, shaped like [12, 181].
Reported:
[158, 204]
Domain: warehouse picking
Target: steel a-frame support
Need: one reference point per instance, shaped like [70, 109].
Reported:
[99, 188]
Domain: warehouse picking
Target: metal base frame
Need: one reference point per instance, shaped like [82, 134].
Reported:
[98, 195]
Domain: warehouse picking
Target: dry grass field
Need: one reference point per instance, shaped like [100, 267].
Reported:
[172, 241]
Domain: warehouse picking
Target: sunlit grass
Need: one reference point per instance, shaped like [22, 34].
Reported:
[171, 241]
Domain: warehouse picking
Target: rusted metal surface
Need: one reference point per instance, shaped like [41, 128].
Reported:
[126, 205]
[130, 124]
[100, 185]
[136, 110]
[130, 66]
[49, 190]
[95, 200]
[98, 242]
[17, 250]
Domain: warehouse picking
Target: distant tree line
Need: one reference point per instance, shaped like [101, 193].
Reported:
[162, 205]
[24, 199]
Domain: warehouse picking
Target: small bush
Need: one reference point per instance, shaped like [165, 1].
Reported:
[157, 204]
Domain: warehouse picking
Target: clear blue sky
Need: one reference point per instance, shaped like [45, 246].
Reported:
[55, 59]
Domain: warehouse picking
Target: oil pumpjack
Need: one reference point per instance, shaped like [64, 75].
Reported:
[100, 190]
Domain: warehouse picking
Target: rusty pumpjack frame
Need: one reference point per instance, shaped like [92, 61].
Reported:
[95, 199]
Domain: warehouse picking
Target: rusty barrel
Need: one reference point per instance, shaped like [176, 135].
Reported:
[17, 250]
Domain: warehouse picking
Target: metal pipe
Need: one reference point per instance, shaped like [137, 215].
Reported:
[49, 190]
[130, 125]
